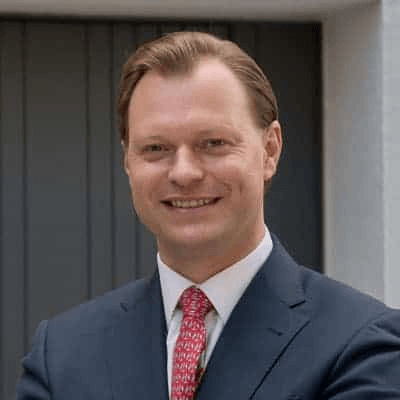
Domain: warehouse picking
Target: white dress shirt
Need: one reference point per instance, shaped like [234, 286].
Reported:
[223, 289]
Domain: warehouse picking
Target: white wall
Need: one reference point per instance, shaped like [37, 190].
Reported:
[353, 156]
[362, 148]
[391, 149]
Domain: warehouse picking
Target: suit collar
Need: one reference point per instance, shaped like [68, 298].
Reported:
[283, 275]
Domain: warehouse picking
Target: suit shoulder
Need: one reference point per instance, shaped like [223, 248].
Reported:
[335, 298]
[100, 311]
[316, 294]
[320, 295]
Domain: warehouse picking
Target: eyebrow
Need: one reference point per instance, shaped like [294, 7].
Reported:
[149, 138]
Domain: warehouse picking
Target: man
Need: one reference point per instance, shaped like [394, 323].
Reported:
[228, 315]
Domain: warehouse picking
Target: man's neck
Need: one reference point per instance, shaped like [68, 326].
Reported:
[199, 264]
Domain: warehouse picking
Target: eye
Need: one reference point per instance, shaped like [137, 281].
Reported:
[213, 142]
[155, 151]
[154, 148]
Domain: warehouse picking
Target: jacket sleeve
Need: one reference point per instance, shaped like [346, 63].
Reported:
[34, 384]
[369, 366]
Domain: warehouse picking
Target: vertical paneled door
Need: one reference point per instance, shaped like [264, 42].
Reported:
[67, 229]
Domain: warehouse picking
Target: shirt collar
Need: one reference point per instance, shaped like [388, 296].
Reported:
[223, 289]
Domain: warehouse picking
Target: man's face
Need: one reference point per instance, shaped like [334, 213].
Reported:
[196, 161]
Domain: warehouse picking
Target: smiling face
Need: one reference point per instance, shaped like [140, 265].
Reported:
[197, 163]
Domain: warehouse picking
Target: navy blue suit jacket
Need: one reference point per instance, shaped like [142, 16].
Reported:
[294, 334]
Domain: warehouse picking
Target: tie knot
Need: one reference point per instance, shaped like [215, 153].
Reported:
[194, 303]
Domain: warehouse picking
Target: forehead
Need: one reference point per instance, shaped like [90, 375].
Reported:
[210, 86]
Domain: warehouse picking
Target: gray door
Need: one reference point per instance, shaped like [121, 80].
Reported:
[67, 229]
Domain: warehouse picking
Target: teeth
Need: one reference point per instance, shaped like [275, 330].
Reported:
[190, 203]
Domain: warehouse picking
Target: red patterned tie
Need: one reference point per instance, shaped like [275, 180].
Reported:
[190, 343]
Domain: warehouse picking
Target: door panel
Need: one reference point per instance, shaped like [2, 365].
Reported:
[67, 225]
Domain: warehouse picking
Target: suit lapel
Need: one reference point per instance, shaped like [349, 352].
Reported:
[136, 350]
[261, 326]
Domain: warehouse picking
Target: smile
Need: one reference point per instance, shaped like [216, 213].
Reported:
[191, 203]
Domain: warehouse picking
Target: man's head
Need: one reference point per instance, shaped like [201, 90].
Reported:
[197, 158]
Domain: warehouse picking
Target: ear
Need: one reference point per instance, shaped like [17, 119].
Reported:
[272, 142]
[125, 157]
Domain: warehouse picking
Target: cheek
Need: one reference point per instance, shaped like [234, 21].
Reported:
[137, 183]
[142, 176]
[245, 170]
[146, 182]
[140, 190]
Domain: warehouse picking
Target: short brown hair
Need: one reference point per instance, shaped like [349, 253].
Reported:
[178, 53]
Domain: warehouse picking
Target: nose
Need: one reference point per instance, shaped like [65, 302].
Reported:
[186, 169]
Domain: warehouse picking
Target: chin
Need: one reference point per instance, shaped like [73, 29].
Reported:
[193, 236]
